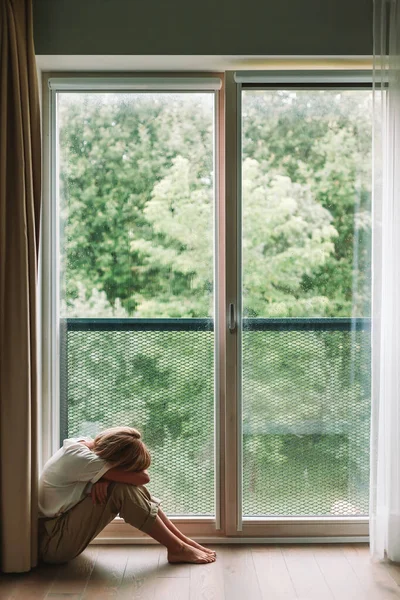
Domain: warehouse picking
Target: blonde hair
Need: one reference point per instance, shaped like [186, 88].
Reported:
[124, 447]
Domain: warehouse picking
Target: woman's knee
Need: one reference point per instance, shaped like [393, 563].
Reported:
[126, 490]
[135, 504]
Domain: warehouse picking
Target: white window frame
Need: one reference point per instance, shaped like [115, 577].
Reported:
[229, 525]
[50, 252]
[237, 525]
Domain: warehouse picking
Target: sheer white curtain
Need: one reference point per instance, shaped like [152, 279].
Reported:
[385, 437]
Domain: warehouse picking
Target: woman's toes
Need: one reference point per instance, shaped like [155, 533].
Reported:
[203, 548]
[190, 554]
[211, 558]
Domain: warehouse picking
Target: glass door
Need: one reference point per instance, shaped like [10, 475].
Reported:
[257, 421]
[306, 266]
[135, 187]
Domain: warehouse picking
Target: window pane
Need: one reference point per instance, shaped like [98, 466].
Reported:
[136, 205]
[306, 301]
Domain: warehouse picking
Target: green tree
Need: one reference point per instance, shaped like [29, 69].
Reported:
[323, 139]
[287, 235]
[114, 148]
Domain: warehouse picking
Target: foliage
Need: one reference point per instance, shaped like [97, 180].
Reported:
[137, 187]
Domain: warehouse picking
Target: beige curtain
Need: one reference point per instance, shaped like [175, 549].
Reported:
[20, 181]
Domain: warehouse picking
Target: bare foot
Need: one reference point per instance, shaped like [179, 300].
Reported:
[200, 547]
[188, 554]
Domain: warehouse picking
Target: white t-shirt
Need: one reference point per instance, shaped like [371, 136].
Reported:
[68, 477]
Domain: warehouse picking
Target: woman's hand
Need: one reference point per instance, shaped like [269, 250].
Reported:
[99, 492]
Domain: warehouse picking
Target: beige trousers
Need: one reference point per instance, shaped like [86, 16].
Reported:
[66, 536]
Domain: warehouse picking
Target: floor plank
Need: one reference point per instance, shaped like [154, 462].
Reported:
[73, 577]
[374, 577]
[207, 581]
[62, 596]
[272, 572]
[141, 571]
[394, 571]
[171, 588]
[166, 570]
[36, 584]
[338, 573]
[255, 572]
[107, 574]
[308, 581]
[8, 584]
[239, 574]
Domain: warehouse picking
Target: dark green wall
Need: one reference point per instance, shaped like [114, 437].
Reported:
[279, 27]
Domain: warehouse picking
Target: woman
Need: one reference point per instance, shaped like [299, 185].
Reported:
[87, 483]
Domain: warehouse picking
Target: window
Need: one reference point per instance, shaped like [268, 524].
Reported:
[232, 329]
[136, 187]
[306, 301]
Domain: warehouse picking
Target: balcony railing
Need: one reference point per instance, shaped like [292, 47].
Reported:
[295, 324]
[306, 398]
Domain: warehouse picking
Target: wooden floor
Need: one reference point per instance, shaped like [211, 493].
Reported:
[240, 572]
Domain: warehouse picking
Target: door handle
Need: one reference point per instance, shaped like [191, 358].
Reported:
[231, 318]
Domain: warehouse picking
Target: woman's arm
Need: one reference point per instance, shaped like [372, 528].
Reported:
[129, 477]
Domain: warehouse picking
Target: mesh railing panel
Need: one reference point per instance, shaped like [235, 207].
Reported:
[306, 407]
[306, 421]
[155, 379]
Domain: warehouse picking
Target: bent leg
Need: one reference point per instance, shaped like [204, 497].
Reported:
[138, 508]
[135, 505]
[67, 536]
[181, 535]
[178, 550]
[134, 501]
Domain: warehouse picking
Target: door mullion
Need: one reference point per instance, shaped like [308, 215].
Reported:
[220, 349]
[232, 414]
